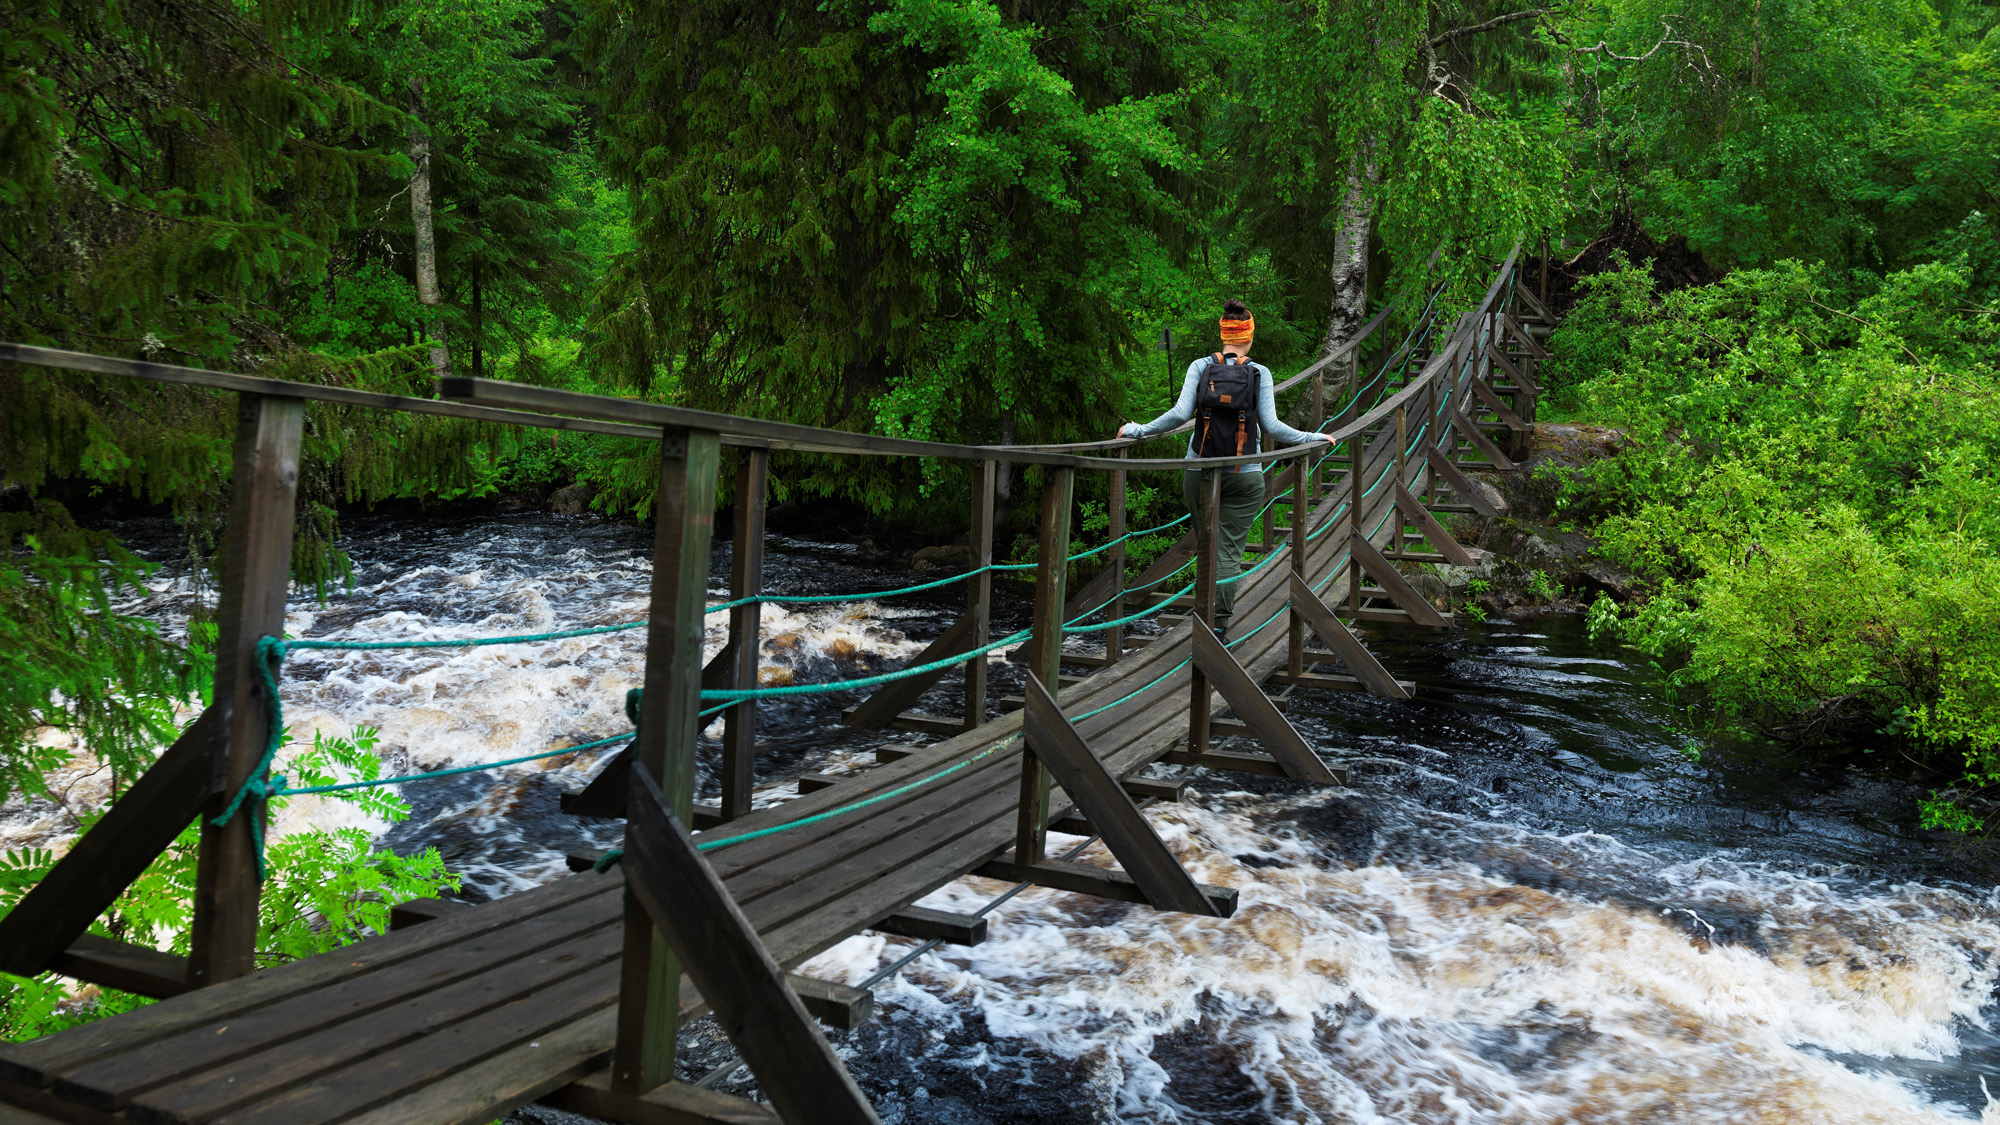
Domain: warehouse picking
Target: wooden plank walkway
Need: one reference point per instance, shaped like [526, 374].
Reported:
[462, 1018]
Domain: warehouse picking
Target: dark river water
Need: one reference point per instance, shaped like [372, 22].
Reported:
[1534, 905]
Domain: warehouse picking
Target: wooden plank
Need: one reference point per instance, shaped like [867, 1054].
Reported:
[1396, 586]
[478, 1093]
[1506, 363]
[1331, 683]
[1528, 341]
[1159, 875]
[892, 698]
[1507, 417]
[103, 862]
[1479, 439]
[736, 976]
[368, 1079]
[927, 924]
[15, 1115]
[810, 782]
[738, 774]
[1031, 825]
[1158, 788]
[831, 1003]
[676, 1103]
[221, 1064]
[1240, 690]
[472, 933]
[124, 966]
[256, 574]
[1083, 879]
[1433, 531]
[1235, 762]
[1460, 483]
[1353, 655]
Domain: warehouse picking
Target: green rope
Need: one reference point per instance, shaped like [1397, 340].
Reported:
[734, 695]
[282, 790]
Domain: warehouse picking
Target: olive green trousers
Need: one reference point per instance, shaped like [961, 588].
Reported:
[1242, 499]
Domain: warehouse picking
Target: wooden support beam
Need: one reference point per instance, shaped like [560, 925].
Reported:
[123, 966]
[1505, 363]
[1479, 439]
[1083, 879]
[669, 717]
[1100, 796]
[892, 698]
[1208, 538]
[1353, 655]
[764, 1020]
[979, 590]
[831, 1003]
[746, 579]
[1460, 483]
[814, 782]
[918, 721]
[1500, 410]
[1397, 587]
[256, 574]
[1114, 560]
[1295, 630]
[1263, 765]
[1434, 532]
[118, 848]
[1031, 826]
[604, 796]
[1331, 683]
[1158, 788]
[676, 1103]
[1528, 341]
[926, 924]
[1255, 708]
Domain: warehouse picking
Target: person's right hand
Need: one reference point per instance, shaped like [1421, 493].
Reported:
[1121, 429]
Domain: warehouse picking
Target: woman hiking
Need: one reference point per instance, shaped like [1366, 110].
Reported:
[1230, 398]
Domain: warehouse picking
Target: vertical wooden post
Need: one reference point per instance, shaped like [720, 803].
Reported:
[1319, 419]
[1114, 637]
[256, 572]
[1357, 453]
[1402, 474]
[1295, 661]
[979, 589]
[1045, 652]
[1207, 538]
[684, 519]
[746, 579]
[1545, 271]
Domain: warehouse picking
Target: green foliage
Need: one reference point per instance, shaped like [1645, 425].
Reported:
[1812, 490]
[326, 889]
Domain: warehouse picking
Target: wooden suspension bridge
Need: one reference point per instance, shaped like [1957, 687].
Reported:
[571, 994]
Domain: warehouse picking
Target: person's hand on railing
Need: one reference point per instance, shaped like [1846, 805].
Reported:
[1126, 426]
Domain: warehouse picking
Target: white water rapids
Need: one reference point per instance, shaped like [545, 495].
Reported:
[1530, 907]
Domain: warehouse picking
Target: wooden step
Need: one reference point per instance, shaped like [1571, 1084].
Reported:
[919, 722]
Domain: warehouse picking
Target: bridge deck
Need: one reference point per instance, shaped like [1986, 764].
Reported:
[462, 1018]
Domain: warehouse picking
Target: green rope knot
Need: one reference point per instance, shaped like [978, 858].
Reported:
[605, 861]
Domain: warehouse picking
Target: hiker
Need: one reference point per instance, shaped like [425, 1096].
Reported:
[1214, 395]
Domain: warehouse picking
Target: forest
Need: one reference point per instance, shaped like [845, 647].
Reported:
[1774, 228]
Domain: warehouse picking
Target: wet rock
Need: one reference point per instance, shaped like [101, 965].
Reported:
[942, 560]
[572, 501]
[1599, 576]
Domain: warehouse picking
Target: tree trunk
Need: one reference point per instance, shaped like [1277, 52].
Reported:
[420, 219]
[1350, 258]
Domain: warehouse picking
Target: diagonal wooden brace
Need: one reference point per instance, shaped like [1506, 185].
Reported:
[605, 795]
[895, 697]
[1266, 722]
[1500, 409]
[1434, 532]
[1357, 659]
[722, 954]
[1534, 348]
[1395, 585]
[116, 850]
[1505, 363]
[1160, 876]
[1460, 483]
[1479, 439]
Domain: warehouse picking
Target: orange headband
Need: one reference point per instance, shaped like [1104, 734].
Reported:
[1237, 333]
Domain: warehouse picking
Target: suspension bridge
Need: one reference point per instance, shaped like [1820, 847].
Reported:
[571, 994]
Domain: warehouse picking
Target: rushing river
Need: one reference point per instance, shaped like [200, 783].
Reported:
[1533, 906]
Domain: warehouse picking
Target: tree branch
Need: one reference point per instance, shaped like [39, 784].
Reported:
[1489, 25]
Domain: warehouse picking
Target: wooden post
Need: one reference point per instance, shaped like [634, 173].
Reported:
[1207, 535]
[1295, 661]
[1357, 453]
[979, 590]
[1545, 271]
[1114, 637]
[256, 572]
[1319, 419]
[1045, 653]
[746, 579]
[684, 519]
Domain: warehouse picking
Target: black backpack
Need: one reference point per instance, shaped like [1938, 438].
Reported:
[1226, 409]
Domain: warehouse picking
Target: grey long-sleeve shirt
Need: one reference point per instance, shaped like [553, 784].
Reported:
[1268, 421]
